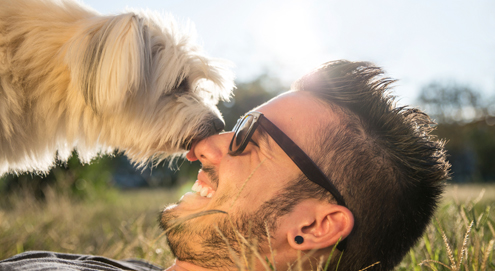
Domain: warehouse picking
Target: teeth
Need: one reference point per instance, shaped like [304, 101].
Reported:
[195, 187]
[202, 191]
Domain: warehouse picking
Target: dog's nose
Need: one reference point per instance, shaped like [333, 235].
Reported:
[218, 125]
[214, 127]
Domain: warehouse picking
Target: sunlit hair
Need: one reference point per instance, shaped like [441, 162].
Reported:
[382, 158]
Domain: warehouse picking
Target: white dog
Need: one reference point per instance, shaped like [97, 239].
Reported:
[71, 78]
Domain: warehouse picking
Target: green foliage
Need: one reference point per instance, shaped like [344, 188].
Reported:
[452, 102]
[466, 120]
[471, 150]
[84, 182]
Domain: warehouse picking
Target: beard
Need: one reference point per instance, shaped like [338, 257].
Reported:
[203, 245]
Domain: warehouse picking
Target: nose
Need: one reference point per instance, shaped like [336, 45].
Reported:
[218, 125]
[210, 150]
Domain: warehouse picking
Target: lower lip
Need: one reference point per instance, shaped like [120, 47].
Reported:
[193, 201]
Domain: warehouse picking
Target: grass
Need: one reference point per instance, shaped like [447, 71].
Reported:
[119, 227]
[462, 234]
[124, 225]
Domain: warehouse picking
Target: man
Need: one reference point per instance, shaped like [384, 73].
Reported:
[330, 170]
[382, 177]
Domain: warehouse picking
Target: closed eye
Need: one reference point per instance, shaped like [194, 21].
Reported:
[254, 143]
[183, 86]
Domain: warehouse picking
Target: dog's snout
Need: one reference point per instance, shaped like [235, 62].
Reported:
[218, 125]
[214, 127]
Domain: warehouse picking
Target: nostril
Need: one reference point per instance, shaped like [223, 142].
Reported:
[218, 125]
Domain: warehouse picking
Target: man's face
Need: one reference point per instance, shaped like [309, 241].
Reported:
[242, 185]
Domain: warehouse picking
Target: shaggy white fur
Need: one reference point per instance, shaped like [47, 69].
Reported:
[71, 78]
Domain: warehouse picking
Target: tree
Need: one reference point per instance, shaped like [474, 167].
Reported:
[249, 95]
[452, 102]
[465, 122]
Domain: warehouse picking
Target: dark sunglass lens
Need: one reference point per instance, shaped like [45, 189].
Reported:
[241, 132]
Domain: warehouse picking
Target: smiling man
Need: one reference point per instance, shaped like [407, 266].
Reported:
[329, 170]
[247, 182]
[330, 160]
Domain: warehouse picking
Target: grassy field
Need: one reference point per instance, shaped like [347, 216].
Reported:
[123, 225]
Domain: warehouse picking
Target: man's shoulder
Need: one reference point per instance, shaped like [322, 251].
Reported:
[46, 260]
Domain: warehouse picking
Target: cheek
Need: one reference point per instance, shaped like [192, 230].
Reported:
[261, 187]
[235, 170]
[230, 173]
[250, 179]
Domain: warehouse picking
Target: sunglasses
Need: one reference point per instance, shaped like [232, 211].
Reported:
[244, 130]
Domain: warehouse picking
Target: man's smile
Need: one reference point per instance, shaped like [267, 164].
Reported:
[203, 189]
[201, 195]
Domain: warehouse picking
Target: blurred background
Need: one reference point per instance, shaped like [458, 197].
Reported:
[442, 52]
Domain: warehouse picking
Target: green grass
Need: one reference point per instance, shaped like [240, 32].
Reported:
[462, 234]
[123, 225]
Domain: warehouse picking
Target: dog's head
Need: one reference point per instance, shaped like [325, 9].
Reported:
[148, 82]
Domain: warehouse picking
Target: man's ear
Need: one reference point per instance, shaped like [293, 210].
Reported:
[320, 224]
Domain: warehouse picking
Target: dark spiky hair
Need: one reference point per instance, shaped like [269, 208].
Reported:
[389, 169]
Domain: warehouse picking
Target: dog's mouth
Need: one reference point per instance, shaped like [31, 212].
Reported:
[188, 144]
[217, 126]
[214, 127]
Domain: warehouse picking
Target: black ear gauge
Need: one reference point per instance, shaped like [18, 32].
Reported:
[299, 239]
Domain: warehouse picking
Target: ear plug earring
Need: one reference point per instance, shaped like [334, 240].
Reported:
[299, 239]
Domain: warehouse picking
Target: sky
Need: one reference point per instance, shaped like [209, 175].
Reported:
[416, 42]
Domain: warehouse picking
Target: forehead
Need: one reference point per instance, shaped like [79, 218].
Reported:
[299, 115]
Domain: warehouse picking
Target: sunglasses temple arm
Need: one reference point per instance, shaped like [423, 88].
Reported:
[294, 152]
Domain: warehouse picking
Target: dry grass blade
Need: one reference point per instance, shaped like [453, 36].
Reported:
[306, 257]
[487, 254]
[370, 266]
[449, 252]
[237, 261]
[491, 228]
[181, 220]
[299, 262]
[320, 264]
[254, 250]
[480, 196]
[464, 245]
[456, 195]
[475, 259]
[427, 263]
[238, 240]
[245, 182]
[331, 254]
[464, 217]
[268, 236]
